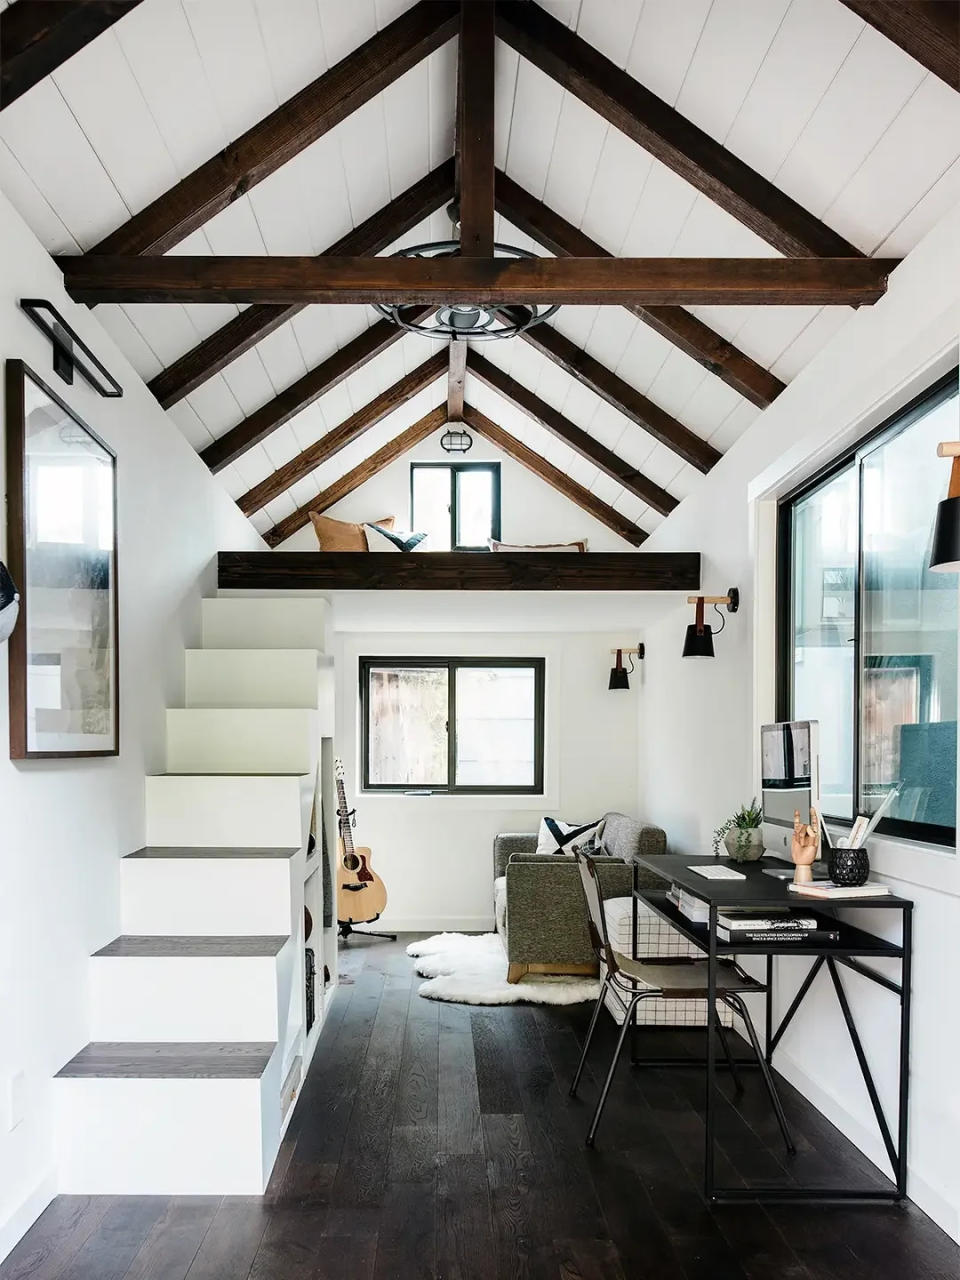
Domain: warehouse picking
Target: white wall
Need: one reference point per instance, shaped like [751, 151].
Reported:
[435, 853]
[699, 741]
[531, 512]
[64, 825]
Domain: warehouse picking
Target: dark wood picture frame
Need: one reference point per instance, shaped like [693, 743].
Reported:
[16, 374]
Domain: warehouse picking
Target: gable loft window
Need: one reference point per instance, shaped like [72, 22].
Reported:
[452, 724]
[457, 504]
[867, 641]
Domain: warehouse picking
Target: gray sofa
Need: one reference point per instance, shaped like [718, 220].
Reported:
[539, 899]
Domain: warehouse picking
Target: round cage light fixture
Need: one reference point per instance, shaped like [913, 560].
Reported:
[465, 319]
[456, 440]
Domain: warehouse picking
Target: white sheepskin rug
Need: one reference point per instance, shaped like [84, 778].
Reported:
[472, 969]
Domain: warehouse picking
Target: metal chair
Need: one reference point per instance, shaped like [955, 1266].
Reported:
[631, 981]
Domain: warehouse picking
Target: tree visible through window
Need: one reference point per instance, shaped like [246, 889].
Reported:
[452, 724]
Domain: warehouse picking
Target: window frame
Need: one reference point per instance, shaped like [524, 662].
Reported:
[452, 664]
[454, 468]
[938, 392]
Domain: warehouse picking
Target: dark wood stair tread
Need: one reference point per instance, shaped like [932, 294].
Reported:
[173, 1060]
[188, 946]
[186, 851]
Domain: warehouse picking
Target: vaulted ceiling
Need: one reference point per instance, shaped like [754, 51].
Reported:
[809, 132]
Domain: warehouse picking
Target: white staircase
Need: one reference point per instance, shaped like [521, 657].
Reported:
[198, 1036]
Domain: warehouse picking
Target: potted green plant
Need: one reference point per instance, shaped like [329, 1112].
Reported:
[741, 834]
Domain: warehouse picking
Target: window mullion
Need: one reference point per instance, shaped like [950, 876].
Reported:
[858, 662]
[452, 726]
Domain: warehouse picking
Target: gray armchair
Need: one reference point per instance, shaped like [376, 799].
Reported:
[539, 899]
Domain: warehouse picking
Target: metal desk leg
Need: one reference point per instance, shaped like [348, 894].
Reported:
[634, 916]
[708, 1164]
[903, 1108]
[768, 1005]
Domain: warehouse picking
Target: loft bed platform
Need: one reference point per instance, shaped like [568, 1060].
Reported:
[459, 571]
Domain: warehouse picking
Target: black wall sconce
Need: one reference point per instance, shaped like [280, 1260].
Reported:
[945, 555]
[619, 674]
[70, 352]
[698, 642]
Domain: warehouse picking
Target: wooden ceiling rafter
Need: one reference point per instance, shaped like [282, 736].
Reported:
[680, 327]
[375, 233]
[553, 476]
[360, 474]
[929, 30]
[38, 36]
[285, 132]
[582, 442]
[663, 132]
[349, 430]
[488, 281]
[456, 379]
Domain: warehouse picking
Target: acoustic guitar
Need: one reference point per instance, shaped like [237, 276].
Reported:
[361, 894]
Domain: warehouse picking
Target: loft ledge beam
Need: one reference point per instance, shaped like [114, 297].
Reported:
[488, 281]
[459, 571]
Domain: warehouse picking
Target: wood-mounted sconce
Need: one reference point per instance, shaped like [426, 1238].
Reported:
[619, 674]
[698, 642]
[945, 555]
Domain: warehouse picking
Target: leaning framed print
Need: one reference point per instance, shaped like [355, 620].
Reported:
[62, 551]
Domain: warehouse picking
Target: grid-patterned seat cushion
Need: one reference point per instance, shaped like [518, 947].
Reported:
[655, 939]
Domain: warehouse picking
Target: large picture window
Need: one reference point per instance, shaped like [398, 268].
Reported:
[457, 504]
[867, 633]
[452, 724]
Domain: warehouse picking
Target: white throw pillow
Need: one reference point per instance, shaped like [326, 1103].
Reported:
[381, 539]
[556, 836]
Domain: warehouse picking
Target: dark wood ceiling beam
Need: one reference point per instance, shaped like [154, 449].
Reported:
[622, 396]
[300, 121]
[456, 378]
[475, 85]
[586, 445]
[929, 30]
[250, 326]
[488, 281]
[678, 326]
[459, 571]
[348, 431]
[38, 36]
[665, 134]
[553, 476]
[269, 417]
[364, 471]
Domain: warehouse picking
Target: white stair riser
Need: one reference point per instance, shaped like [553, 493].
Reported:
[225, 812]
[268, 622]
[167, 1137]
[177, 998]
[241, 741]
[251, 678]
[200, 896]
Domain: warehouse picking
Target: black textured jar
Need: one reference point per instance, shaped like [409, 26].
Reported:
[849, 866]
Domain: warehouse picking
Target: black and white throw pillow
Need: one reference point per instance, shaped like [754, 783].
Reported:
[555, 836]
[381, 539]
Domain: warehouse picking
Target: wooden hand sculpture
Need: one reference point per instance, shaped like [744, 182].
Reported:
[806, 843]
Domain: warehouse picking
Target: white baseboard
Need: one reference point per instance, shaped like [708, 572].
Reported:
[433, 924]
[868, 1140]
[23, 1218]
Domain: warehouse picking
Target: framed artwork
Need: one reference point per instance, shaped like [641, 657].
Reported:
[62, 551]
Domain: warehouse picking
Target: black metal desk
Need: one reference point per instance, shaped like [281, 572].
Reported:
[762, 892]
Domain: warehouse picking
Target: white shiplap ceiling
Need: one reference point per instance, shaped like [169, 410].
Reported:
[834, 114]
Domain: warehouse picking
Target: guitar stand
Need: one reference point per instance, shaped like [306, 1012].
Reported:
[345, 928]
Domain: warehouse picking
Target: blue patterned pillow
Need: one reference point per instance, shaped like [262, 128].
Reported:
[381, 539]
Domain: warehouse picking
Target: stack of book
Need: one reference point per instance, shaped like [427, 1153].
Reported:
[827, 889]
[749, 927]
[688, 904]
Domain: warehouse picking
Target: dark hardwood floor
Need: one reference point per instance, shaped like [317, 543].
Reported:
[438, 1141]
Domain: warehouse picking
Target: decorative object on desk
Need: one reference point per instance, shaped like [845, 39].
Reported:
[699, 638]
[70, 352]
[945, 553]
[805, 847]
[556, 836]
[455, 439]
[61, 534]
[9, 603]
[619, 674]
[742, 835]
[848, 866]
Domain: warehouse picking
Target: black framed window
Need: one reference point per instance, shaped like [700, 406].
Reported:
[457, 504]
[867, 634]
[452, 724]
